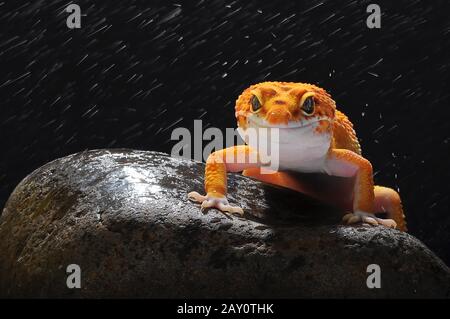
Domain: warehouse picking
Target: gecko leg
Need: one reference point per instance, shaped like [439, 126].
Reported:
[345, 163]
[232, 159]
[388, 200]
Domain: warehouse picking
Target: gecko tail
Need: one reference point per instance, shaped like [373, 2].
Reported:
[388, 200]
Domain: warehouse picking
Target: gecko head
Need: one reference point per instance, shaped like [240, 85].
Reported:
[291, 121]
[285, 105]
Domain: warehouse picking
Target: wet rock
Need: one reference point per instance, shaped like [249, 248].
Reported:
[123, 217]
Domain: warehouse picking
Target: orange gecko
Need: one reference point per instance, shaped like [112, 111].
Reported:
[313, 137]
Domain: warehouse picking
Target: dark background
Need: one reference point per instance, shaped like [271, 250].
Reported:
[138, 69]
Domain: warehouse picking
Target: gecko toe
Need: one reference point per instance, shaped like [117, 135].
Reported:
[196, 197]
[206, 204]
[221, 203]
[370, 220]
[347, 217]
[387, 222]
[231, 209]
[354, 219]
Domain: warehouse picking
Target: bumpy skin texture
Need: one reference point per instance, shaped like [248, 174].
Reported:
[315, 138]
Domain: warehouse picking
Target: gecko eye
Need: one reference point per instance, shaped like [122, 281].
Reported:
[308, 105]
[256, 105]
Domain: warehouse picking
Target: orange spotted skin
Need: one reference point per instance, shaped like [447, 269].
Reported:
[283, 105]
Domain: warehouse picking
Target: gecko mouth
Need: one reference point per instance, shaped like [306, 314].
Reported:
[260, 123]
[290, 134]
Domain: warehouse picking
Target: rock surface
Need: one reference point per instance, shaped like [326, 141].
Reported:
[123, 217]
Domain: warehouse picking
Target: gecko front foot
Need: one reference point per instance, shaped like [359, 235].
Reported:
[368, 218]
[219, 202]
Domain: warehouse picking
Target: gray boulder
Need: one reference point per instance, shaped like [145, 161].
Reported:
[124, 218]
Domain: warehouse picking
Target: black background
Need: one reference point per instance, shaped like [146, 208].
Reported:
[138, 69]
